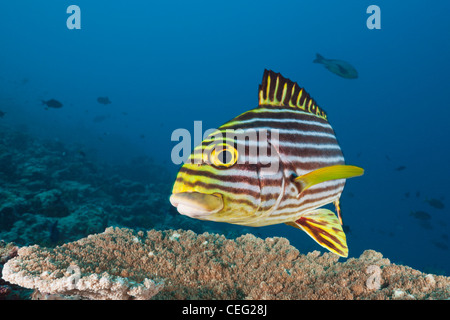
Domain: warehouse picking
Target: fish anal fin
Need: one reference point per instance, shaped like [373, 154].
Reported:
[324, 227]
[326, 174]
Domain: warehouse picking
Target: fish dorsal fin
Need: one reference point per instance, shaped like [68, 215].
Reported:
[277, 91]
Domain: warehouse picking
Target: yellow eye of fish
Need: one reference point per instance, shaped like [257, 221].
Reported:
[224, 156]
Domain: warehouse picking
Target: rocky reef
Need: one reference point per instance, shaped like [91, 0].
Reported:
[175, 264]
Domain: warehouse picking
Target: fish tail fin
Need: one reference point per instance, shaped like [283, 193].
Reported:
[324, 227]
[319, 58]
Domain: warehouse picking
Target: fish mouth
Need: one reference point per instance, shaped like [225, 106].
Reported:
[196, 204]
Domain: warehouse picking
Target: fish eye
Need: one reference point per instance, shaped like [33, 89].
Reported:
[224, 156]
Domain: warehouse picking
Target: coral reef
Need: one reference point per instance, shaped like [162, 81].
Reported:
[7, 251]
[7, 290]
[56, 201]
[53, 193]
[174, 264]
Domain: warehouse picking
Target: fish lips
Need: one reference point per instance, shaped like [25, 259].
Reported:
[196, 204]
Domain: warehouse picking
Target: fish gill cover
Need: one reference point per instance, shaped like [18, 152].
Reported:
[101, 105]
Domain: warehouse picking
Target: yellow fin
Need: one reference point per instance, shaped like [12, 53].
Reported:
[324, 227]
[326, 174]
[292, 224]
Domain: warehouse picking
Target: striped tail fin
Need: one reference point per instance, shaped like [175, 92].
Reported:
[275, 90]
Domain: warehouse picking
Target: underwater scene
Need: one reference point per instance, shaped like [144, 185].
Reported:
[203, 150]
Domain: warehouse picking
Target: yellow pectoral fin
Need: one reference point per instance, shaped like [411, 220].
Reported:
[326, 174]
[324, 227]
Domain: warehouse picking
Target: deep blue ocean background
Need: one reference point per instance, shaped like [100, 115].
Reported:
[167, 64]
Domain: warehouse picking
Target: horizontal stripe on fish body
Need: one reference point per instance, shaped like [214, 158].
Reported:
[244, 176]
[275, 115]
[289, 151]
[310, 196]
[288, 146]
[279, 113]
[232, 184]
[271, 128]
[292, 214]
[289, 139]
[277, 118]
[211, 188]
[318, 161]
[230, 175]
[216, 184]
[259, 125]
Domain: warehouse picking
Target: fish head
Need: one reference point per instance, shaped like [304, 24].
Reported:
[222, 181]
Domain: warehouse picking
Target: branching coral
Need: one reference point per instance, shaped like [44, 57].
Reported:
[123, 264]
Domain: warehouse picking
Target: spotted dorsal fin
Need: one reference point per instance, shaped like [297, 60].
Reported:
[275, 90]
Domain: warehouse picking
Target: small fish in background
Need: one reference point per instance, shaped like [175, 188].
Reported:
[388, 158]
[440, 245]
[142, 136]
[421, 215]
[406, 194]
[417, 194]
[346, 229]
[103, 100]
[339, 67]
[2, 114]
[52, 103]
[220, 183]
[435, 203]
[400, 168]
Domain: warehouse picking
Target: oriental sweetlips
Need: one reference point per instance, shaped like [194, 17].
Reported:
[277, 163]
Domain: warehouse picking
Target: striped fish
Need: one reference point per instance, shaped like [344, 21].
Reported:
[277, 163]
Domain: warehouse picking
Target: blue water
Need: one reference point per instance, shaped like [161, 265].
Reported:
[167, 64]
